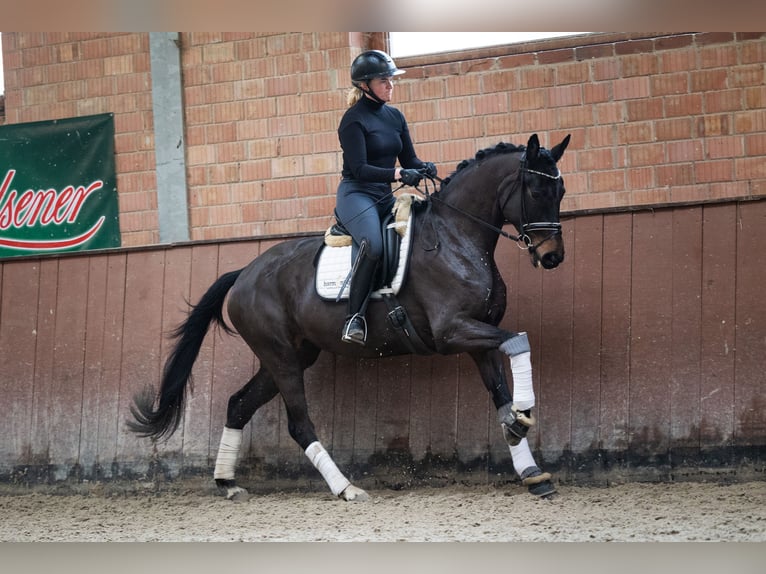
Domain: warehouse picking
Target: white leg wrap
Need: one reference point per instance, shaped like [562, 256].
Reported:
[321, 460]
[522, 456]
[228, 452]
[521, 368]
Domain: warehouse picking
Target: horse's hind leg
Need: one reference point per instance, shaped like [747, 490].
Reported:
[242, 406]
[302, 431]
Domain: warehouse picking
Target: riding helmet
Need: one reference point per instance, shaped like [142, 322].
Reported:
[373, 64]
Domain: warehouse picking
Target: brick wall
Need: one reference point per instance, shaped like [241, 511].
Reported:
[677, 118]
[52, 75]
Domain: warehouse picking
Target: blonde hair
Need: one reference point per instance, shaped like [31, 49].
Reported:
[353, 95]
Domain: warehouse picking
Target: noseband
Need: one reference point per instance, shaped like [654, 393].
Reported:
[554, 227]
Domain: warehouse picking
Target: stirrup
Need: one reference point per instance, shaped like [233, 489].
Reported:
[359, 333]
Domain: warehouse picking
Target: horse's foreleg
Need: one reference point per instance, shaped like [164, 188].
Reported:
[492, 370]
[516, 417]
[241, 408]
[538, 482]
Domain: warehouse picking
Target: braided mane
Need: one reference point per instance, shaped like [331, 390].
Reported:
[500, 148]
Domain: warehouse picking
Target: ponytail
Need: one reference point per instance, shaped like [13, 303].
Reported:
[353, 96]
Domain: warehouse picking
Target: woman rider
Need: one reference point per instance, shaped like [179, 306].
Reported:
[373, 136]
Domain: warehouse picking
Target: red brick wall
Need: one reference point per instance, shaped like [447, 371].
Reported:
[677, 118]
[52, 75]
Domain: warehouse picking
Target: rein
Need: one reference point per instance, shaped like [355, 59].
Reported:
[553, 226]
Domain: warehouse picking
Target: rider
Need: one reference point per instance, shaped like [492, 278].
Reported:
[372, 136]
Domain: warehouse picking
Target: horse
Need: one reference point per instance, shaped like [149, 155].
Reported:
[454, 299]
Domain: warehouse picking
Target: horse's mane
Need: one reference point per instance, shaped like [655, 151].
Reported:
[500, 148]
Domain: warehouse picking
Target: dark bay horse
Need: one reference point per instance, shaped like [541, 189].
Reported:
[454, 296]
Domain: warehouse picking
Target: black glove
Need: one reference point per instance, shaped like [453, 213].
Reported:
[410, 177]
[429, 169]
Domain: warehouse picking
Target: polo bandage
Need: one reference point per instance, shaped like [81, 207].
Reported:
[228, 452]
[522, 456]
[321, 460]
[517, 348]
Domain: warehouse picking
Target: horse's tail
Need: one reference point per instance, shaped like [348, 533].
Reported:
[177, 373]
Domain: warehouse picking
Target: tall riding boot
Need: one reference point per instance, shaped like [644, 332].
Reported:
[355, 329]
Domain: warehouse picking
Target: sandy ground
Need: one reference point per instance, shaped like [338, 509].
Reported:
[628, 512]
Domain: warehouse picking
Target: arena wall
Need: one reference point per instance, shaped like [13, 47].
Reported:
[647, 342]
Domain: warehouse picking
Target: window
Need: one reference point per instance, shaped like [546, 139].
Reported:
[419, 43]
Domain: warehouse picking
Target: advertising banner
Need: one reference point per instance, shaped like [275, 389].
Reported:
[58, 186]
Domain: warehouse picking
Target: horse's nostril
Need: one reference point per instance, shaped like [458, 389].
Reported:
[552, 259]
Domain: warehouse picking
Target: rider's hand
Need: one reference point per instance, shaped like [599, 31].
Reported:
[410, 176]
[429, 169]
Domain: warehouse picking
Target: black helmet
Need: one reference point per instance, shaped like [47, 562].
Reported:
[373, 64]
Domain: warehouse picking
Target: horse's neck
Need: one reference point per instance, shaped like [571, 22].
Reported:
[467, 218]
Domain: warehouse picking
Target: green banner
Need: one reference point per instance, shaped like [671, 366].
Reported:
[58, 186]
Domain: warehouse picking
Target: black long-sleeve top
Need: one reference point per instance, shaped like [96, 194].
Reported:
[372, 137]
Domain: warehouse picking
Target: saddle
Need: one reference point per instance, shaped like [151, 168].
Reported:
[333, 262]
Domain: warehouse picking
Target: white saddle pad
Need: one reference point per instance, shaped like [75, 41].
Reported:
[334, 265]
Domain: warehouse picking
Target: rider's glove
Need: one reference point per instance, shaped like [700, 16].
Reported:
[410, 176]
[429, 169]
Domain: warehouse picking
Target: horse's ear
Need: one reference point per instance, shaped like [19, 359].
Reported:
[533, 148]
[558, 150]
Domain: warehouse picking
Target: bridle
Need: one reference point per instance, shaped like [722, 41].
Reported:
[554, 227]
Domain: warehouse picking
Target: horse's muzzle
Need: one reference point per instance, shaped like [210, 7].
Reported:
[551, 259]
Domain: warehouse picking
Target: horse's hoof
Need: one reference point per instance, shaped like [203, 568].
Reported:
[234, 493]
[354, 494]
[545, 490]
[538, 482]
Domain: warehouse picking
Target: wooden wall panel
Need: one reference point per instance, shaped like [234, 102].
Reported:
[750, 362]
[43, 397]
[686, 329]
[110, 418]
[650, 332]
[365, 414]
[647, 348]
[586, 256]
[344, 407]
[444, 406]
[554, 397]
[67, 380]
[94, 392]
[614, 430]
[141, 344]
[392, 429]
[420, 407]
[473, 404]
[18, 346]
[718, 325]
